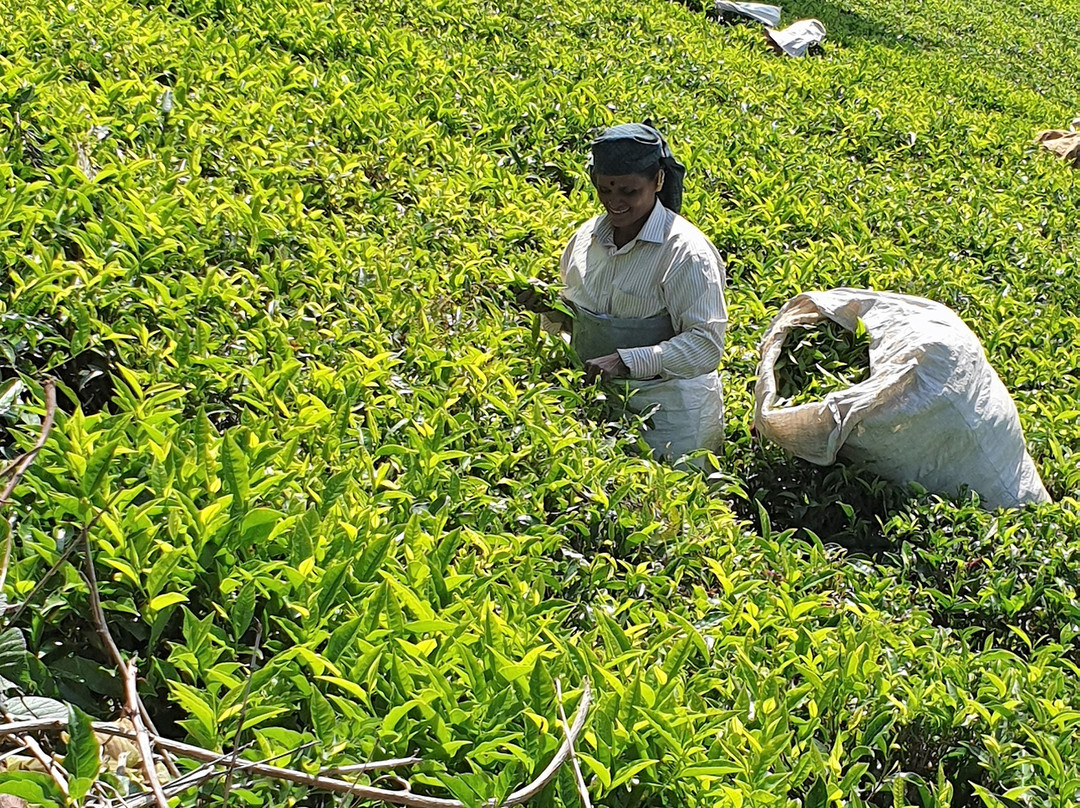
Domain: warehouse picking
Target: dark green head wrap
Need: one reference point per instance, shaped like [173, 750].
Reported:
[637, 148]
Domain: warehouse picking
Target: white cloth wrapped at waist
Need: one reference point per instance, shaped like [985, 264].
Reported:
[683, 414]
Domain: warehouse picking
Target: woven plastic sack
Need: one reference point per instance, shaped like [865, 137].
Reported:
[932, 410]
[797, 38]
[759, 12]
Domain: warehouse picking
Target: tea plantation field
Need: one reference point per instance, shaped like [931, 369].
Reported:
[345, 503]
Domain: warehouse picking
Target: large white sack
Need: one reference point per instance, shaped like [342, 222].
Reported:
[932, 410]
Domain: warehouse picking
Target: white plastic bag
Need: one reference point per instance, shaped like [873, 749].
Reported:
[932, 410]
[797, 38]
[760, 12]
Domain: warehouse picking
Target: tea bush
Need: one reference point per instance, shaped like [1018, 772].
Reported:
[346, 503]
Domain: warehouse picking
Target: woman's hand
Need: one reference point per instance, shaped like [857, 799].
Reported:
[531, 300]
[606, 368]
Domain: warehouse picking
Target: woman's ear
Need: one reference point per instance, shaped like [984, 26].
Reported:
[659, 180]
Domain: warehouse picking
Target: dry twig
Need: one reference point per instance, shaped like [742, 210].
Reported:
[131, 708]
[149, 724]
[132, 703]
[29, 725]
[197, 777]
[54, 769]
[579, 780]
[361, 768]
[19, 466]
[18, 609]
[16, 752]
[243, 715]
[522, 795]
[402, 783]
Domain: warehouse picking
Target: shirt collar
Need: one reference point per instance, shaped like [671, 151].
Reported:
[655, 229]
[657, 225]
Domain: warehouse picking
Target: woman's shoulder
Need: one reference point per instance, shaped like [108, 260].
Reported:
[684, 229]
[685, 235]
[584, 234]
[588, 227]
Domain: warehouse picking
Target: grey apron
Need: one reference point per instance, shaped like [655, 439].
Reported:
[684, 414]
[600, 334]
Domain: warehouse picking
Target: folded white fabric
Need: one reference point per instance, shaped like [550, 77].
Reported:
[797, 38]
[761, 12]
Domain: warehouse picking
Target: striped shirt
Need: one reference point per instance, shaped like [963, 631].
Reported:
[669, 266]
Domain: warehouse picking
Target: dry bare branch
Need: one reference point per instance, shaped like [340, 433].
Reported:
[525, 794]
[401, 782]
[375, 765]
[54, 769]
[29, 725]
[19, 466]
[149, 724]
[197, 777]
[522, 795]
[133, 708]
[243, 714]
[142, 736]
[579, 780]
[17, 752]
[185, 782]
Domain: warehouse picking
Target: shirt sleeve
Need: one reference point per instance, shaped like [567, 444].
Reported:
[693, 292]
[564, 259]
[554, 325]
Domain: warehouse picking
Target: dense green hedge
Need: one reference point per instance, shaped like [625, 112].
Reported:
[264, 246]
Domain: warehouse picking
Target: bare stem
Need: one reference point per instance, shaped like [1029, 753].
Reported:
[375, 765]
[522, 795]
[55, 770]
[133, 704]
[142, 736]
[19, 466]
[579, 780]
[243, 715]
[20, 608]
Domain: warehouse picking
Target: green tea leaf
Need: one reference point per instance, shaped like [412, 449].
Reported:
[36, 788]
[234, 467]
[12, 654]
[83, 758]
[323, 719]
[97, 468]
[242, 610]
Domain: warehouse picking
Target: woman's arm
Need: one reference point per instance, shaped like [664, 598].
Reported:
[535, 298]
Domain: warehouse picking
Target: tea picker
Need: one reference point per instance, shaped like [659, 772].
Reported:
[644, 289]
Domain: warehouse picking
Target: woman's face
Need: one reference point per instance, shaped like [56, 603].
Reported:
[628, 198]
